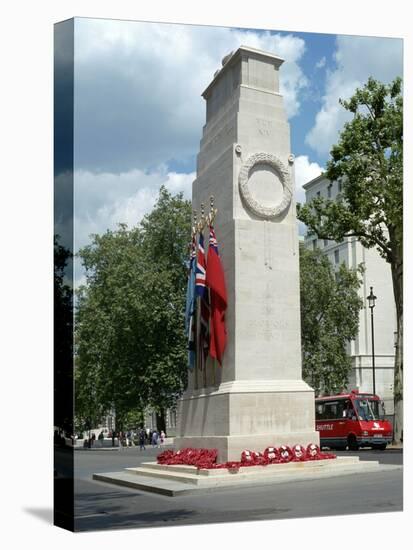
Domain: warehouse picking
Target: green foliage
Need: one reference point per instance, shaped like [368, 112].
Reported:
[368, 161]
[330, 308]
[130, 315]
[134, 418]
[63, 337]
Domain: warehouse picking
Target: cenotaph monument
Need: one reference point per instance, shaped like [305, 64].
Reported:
[257, 398]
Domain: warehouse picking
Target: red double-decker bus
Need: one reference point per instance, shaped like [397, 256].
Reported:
[352, 420]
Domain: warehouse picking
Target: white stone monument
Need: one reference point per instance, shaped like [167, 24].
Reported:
[257, 398]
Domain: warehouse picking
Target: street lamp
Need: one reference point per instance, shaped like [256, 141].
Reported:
[372, 299]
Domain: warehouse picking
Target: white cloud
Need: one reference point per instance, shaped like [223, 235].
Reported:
[321, 63]
[104, 200]
[357, 58]
[138, 87]
[305, 171]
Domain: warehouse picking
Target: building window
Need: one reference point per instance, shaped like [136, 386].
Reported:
[325, 242]
[336, 257]
[314, 244]
[329, 191]
[318, 193]
[339, 186]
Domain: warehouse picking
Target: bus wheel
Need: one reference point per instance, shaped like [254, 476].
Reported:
[352, 443]
[381, 447]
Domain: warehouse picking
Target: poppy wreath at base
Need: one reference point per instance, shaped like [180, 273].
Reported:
[299, 453]
[252, 458]
[207, 458]
[272, 455]
[286, 454]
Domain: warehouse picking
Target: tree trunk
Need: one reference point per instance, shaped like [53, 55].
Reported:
[397, 277]
[161, 421]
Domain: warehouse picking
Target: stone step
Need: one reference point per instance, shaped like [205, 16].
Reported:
[142, 483]
[224, 476]
[178, 468]
[182, 477]
[172, 487]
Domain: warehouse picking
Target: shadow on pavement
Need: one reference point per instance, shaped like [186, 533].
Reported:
[45, 514]
[104, 520]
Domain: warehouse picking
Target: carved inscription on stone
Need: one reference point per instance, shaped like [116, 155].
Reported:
[264, 126]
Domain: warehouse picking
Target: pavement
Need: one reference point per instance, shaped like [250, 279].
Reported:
[100, 506]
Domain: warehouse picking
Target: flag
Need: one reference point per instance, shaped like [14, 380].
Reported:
[200, 268]
[215, 281]
[190, 307]
[203, 345]
[203, 305]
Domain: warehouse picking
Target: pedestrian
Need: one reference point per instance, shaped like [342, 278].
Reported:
[120, 438]
[162, 438]
[127, 438]
[147, 435]
[101, 437]
[93, 438]
[155, 439]
[142, 436]
[113, 438]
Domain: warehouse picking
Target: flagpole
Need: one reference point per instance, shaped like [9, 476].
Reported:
[200, 351]
[194, 234]
[212, 213]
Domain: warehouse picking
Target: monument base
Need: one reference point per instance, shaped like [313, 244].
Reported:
[247, 414]
[182, 480]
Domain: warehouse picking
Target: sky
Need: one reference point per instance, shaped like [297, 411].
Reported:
[139, 113]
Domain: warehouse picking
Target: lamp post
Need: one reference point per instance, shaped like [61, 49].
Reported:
[372, 299]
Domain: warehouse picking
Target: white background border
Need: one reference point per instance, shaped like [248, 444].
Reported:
[26, 266]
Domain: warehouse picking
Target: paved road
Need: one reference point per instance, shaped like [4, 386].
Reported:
[104, 506]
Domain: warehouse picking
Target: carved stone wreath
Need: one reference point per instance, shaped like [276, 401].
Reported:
[266, 159]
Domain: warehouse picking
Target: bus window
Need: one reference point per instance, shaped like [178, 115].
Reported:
[319, 411]
[348, 410]
[378, 409]
[364, 410]
[332, 410]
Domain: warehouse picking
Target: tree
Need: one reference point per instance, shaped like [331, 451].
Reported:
[63, 338]
[330, 308]
[130, 314]
[368, 161]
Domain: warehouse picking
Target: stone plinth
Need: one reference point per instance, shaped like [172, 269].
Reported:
[258, 397]
[183, 480]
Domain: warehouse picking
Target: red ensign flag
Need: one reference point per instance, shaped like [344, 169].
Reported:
[215, 281]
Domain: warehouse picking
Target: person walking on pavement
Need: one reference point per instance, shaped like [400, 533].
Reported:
[162, 437]
[142, 435]
[154, 438]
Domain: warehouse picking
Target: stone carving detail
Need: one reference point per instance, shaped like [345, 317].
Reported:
[274, 162]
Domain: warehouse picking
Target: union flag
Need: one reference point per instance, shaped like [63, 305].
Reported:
[203, 305]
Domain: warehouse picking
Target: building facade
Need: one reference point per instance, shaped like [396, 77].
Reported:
[377, 275]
